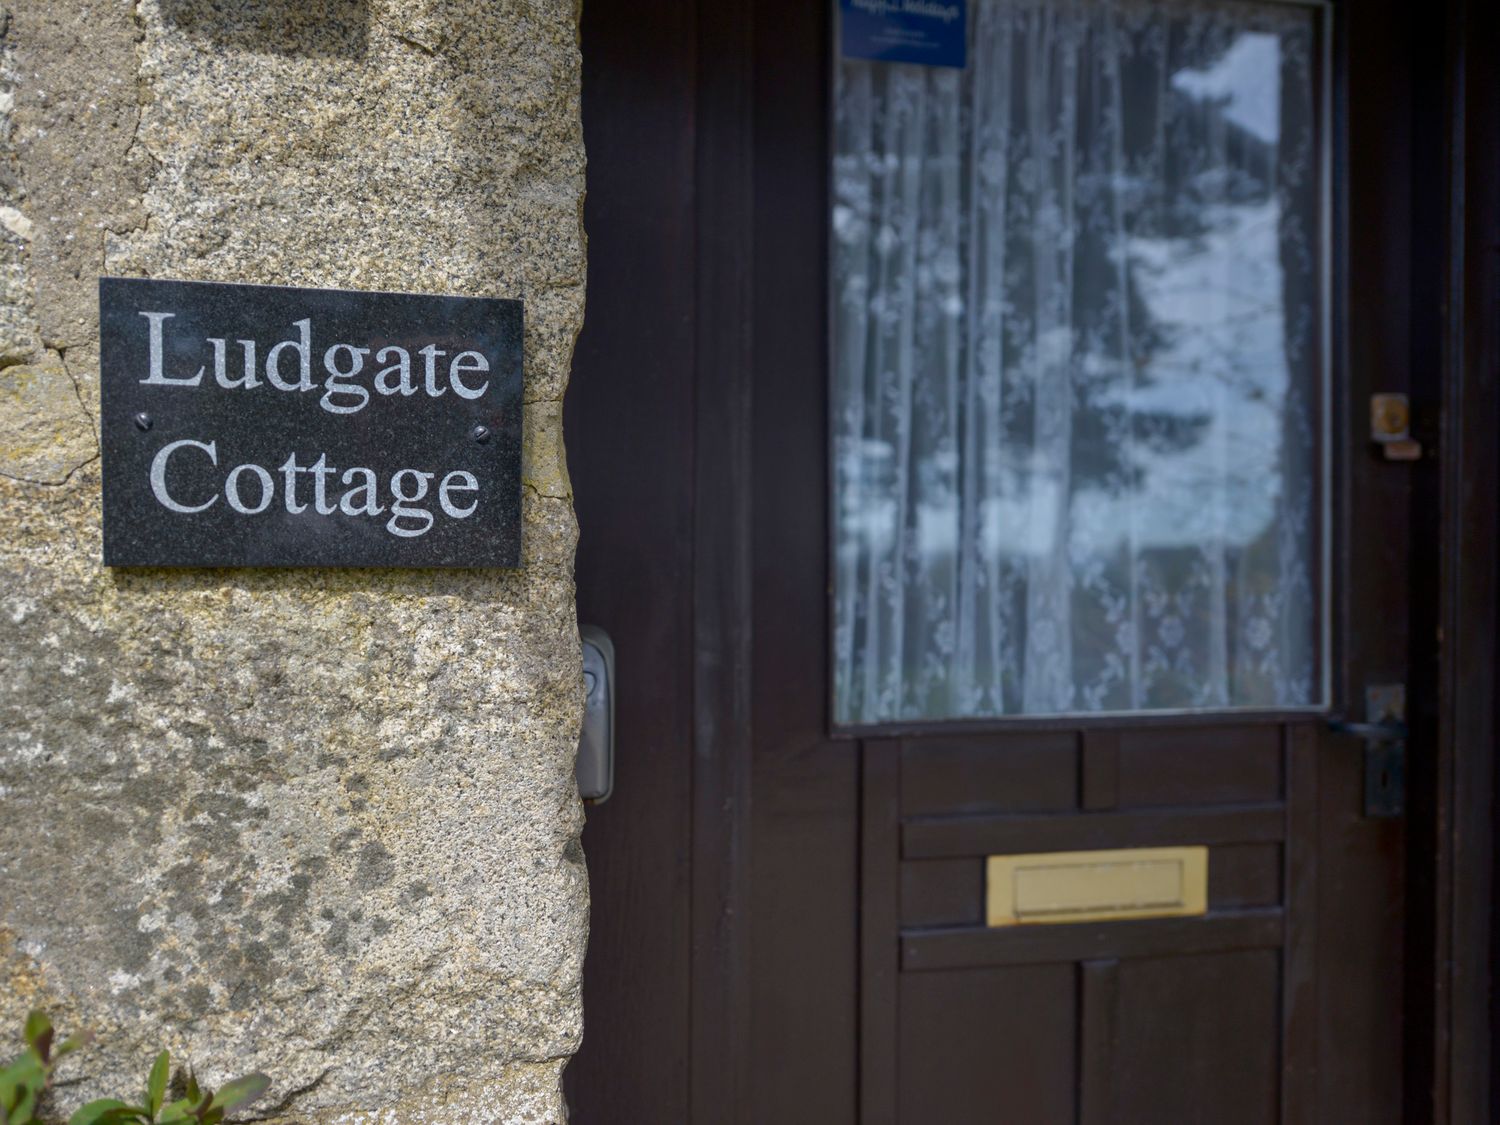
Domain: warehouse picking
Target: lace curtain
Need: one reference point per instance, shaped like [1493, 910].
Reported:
[1076, 366]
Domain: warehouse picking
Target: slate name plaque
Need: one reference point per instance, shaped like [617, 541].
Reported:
[255, 425]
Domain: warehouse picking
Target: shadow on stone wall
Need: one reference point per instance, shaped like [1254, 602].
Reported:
[309, 28]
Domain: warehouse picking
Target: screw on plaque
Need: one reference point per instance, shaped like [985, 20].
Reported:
[143, 421]
[480, 434]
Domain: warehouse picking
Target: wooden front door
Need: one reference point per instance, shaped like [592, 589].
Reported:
[891, 596]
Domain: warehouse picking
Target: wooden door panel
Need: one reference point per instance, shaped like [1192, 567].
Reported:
[1169, 1019]
[1361, 942]
[933, 836]
[1065, 770]
[942, 892]
[1223, 1017]
[1195, 1039]
[1199, 765]
[988, 1045]
[1244, 875]
[1010, 774]
[925, 950]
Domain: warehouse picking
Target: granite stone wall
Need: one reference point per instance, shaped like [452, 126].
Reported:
[320, 823]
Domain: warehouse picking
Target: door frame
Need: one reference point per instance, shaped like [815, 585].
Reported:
[723, 637]
[1455, 527]
[1451, 907]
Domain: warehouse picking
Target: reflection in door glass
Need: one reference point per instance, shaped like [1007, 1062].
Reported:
[1077, 316]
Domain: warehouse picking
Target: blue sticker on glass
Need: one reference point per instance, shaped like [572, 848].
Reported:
[931, 32]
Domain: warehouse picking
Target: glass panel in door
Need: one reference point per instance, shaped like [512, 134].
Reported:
[1077, 351]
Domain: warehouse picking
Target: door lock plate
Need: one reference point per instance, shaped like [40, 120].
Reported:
[1385, 779]
[1385, 757]
[1390, 427]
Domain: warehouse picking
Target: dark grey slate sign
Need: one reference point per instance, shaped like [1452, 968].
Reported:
[255, 425]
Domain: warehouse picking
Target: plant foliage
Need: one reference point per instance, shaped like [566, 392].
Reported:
[26, 1078]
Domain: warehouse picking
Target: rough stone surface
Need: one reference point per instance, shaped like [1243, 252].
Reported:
[318, 823]
[45, 432]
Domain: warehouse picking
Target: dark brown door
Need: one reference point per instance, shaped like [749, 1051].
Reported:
[894, 592]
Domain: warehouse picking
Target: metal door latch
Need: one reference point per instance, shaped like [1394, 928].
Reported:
[1384, 733]
[596, 744]
[1390, 427]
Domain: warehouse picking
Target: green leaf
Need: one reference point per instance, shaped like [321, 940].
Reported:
[156, 1085]
[101, 1111]
[21, 1083]
[242, 1091]
[24, 1111]
[23, 1069]
[37, 1024]
[11, 1080]
[39, 1032]
[190, 1108]
[73, 1042]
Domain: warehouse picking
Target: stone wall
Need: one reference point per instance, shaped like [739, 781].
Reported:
[316, 822]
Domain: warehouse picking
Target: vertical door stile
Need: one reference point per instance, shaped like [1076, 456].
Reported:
[1098, 1023]
[1299, 974]
[879, 931]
